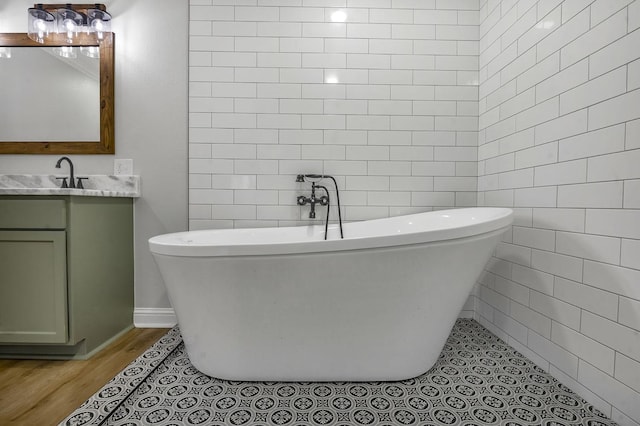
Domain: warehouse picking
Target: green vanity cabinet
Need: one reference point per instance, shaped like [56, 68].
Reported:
[66, 274]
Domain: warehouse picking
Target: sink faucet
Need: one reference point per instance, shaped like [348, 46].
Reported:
[72, 181]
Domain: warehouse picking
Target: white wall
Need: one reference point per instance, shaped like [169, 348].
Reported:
[397, 127]
[151, 122]
[560, 143]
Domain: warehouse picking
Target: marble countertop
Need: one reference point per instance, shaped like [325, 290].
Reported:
[94, 186]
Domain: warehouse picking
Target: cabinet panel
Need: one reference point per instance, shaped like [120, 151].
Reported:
[33, 287]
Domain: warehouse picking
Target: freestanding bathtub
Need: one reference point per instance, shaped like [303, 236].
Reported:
[282, 304]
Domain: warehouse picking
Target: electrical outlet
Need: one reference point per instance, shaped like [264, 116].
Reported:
[123, 166]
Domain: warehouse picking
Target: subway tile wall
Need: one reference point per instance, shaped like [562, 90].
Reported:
[382, 94]
[559, 141]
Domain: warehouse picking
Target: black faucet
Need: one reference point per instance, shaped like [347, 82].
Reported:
[72, 181]
[323, 201]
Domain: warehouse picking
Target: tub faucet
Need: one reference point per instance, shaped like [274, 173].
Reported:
[324, 200]
[313, 200]
[72, 182]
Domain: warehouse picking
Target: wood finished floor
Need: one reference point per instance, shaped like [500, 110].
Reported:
[44, 392]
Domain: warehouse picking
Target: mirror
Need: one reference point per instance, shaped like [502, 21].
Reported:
[56, 105]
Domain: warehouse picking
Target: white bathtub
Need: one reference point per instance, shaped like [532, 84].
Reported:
[281, 304]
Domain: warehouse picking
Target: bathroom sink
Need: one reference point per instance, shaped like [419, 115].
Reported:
[94, 186]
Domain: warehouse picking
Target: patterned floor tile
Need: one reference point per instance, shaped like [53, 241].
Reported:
[478, 380]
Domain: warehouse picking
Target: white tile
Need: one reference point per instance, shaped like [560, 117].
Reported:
[633, 135]
[579, 388]
[628, 315]
[411, 183]
[455, 183]
[595, 39]
[568, 32]
[411, 153]
[517, 255]
[512, 327]
[613, 111]
[494, 299]
[561, 173]
[628, 371]
[538, 114]
[245, 13]
[300, 106]
[630, 253]
[319, 91]
[433, 168]
[616, 54]
[311, 29]
[522, 178]
[406, 31]
[591, 195]
[368, 61]
[261, 197]
[517, 104]
[412, 92]
[622, 165]
[275, 152]
[263, 167]
[537, 156]
[564, 266]
[590, 298]
[375, 198]
[233, 212]
[603, 141]
[555, 354]
[534, 279]
[622, 281]
[599, 89]
[344, 107]
[427, 47]
[517, 141]
[593, 247]
[323, 122]
[389, 168]
[456, 93]
[277, 91]
[298, 137]
[367, 153]
[539, 72]
[389, 137]
[562, 127]
[531, 319]
[446, 153]
[369, 30]
[365, 122]
[619, 223]
[631, 191]
[587, 349]
[535, 238]
[411, 123]
[557, 310]
[298, 44]
[512, 290]
[432, 199]
[345, 168]
[564, 80]
[623, 339]
[323, 152]
[278, 121]
[301, 14]
[390, 77]
[296, 75]
[571, 220]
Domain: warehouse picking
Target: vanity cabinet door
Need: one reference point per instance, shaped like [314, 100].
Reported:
[33, 287]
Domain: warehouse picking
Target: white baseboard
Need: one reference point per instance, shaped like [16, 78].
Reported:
[154, 318]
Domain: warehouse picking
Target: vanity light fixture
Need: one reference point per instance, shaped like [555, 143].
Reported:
[68, 21]
[41, 23]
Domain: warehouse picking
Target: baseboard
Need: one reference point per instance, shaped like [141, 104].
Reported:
[154, 318]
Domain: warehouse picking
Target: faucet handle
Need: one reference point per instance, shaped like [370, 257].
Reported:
[80, 185]
[64, 182]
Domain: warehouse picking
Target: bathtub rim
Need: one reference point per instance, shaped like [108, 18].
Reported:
[172, 245]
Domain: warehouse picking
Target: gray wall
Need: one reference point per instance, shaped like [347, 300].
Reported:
[151, 122]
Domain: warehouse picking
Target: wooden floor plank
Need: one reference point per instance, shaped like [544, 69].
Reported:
[43, 392]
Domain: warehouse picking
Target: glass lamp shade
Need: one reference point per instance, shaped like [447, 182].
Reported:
[68, 52]
[40, 24]
[70, 23]
[99, 22]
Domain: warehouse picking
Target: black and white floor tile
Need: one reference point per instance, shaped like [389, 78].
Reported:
[478, 380]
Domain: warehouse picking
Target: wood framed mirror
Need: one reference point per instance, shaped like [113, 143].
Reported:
[21, 116]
